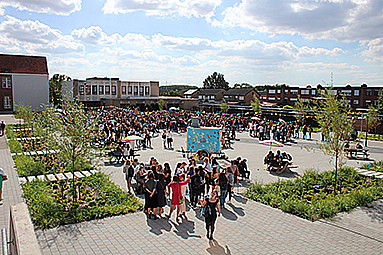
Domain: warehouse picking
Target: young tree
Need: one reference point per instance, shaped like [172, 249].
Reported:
[224, 106]
[70, 130]
[336, 128]
[161, 104]
[300, 107]
[256, 104]
[379, 106]
[373, 119]
[215, 81]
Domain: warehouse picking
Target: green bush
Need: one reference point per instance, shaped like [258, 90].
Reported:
[51, 204]
[299, 198]
[15, 146]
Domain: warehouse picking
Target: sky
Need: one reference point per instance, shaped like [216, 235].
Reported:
[183, 41]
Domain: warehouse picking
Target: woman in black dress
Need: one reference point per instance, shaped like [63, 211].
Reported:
[212, 204]
[161, 188]
[167, 173]
[152, 197]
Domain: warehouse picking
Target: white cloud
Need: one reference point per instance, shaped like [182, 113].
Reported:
[36, 37]
[94, 35]
[187, 8]
[59, 7]
[375, 50]
[343, 20]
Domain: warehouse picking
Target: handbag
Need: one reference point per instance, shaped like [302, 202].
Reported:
[182, 198]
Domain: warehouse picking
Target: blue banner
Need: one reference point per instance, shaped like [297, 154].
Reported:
[208, 139]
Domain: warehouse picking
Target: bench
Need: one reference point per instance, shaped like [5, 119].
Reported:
[353, 152]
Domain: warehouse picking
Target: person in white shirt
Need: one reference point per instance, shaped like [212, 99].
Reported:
[169, 139]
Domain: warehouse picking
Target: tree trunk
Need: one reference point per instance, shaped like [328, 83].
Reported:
[336, 172]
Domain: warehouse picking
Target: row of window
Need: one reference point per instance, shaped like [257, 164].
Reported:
[313, 92]
[108, 90]
[293, 100]
[7, 102]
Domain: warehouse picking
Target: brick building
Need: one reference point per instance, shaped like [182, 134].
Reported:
[357, 96]
[24, 80]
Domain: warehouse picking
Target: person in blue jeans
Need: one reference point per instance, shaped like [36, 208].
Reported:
[223, 186]
[230, 178]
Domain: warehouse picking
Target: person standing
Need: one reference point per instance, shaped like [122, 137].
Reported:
[195, 187]
[175, 186]
[169, 139]
[211, 205]
[128, 170]
[161, 190]
[2, 127]
[230, 179]
[3, 177]
[223, 186]
[151, 194]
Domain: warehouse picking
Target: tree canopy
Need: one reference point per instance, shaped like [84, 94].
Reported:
[215, 81]
[173, 93]
[55, 88]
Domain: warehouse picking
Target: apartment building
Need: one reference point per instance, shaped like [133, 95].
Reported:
[357, 96]
[24, 80]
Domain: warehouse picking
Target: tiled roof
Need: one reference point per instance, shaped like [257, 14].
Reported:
[238, 92]
[210, 91]
[23, 64]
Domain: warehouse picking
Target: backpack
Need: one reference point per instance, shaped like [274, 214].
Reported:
[130, 171]
[206, 211]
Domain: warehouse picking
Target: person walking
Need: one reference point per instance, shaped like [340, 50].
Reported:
[128, 170]
[223, 187]
[211, 205]
[2, 127]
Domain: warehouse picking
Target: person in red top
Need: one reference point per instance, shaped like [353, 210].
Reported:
[175, 185]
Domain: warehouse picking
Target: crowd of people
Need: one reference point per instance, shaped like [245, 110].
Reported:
[199, 184]
[277, 162]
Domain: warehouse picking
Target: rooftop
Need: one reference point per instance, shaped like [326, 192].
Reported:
[21, 64]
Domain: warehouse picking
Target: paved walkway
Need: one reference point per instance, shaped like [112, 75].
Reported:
[245, 227]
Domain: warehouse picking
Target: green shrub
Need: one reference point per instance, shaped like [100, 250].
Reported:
[15, 146]
[51, 207]
[299, 197]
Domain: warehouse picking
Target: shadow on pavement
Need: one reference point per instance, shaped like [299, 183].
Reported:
[240, 199]
[157, 226]
[228, 214]
[185, 229]
[238, 210]
[217, 249]
[375, 212]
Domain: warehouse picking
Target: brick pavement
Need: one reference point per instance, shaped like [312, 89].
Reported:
[245, 227]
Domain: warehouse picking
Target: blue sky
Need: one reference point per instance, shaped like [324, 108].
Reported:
[184, 41]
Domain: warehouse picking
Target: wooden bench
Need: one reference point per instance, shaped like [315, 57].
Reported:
[353, 152]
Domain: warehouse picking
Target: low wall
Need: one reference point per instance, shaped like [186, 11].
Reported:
[21, 232]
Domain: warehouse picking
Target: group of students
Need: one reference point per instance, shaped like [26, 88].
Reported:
[207, 187]
[277, 162]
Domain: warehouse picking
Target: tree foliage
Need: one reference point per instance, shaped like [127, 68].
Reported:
[256, 104]
[379, 107]
[243, 86]
[373, 119]
[300, 107]
[335, 126]
[55, 88]
[161, 104]
[70, 130]
[224, 106]
[173, 93]
[215, 81]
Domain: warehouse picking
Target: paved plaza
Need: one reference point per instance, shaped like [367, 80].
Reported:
[245, 227]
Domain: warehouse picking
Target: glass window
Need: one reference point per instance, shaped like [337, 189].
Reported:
[101, 90]
[114, 90]
[294, 92]
[305, 92]
[376, 93]
[94, 90]
[81, 89]
[226, 97]
[123, 90]
[356, 102]
[212, 97]
[146, 91]
[272, 91]
[136, 90]
[107, 90]
[141, 91]
[7, 102]
[200, 97]
[368, 92]
[368, 102]
[356, 92]
[278, 91]
[6, 83]
[286, 92]
[305, 100]
[87, 89]
[347, 93]
[293, 99]
[241, 98]
[271, 98]
[313, 92]
[130, 90]
[376, 102]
